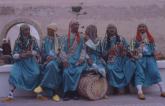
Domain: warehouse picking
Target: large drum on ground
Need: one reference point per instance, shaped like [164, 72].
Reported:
[92, 86]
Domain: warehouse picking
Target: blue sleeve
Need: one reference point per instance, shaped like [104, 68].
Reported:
[35, 46]
[125, 43]
[16, 47]
[65, 45]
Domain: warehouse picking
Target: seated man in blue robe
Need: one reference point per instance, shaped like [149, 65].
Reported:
[73, 61]
[52, 74]
[146, 44]
[25, 71]
[120, 67]
[94, 51]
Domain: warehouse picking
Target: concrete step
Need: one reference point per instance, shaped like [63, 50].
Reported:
[4, 85]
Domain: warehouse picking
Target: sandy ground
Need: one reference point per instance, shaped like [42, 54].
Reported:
[122, 100]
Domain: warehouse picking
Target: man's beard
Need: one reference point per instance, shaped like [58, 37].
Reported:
[111, 34]
[142, 32]
[74, 30]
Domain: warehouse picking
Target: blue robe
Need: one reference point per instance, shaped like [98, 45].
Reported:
[120, 69]
[52, 74]
[149, 65]
[72, 73]
[25, 72]
[48, 47]
[96, 57]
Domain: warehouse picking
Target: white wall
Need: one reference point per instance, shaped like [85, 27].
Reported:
[125, 14]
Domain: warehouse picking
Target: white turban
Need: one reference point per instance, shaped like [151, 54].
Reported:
[52, 26]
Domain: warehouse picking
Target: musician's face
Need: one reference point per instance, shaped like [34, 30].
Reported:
[142, 28]
[93, 36]
[26, 32]
[91, 32]
[75, 27]
[111, 30]
[51, 32]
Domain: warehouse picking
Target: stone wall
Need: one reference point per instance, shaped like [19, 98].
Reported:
[126, 14]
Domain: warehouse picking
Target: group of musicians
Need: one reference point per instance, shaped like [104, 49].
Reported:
[59, 64]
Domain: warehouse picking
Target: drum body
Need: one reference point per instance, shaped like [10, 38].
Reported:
[92, 86]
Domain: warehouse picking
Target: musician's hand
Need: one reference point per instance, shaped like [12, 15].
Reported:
[112, 51]
[119, 45]
[157, 55]
[134, 54]
[102, 60]
[65, 64]
[49, 58]
[29, 53]
[123, 52]
[90, 61]
[38, 58]
[58, 52]
[142, 45]
[23, 55]
[80, 62]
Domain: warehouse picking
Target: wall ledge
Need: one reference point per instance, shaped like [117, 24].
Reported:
[7, 68]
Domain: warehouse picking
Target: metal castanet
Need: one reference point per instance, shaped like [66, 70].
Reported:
[92, 86]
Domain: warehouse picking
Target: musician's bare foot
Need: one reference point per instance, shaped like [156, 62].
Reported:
[127, 90]
[120, 92]
[7, 99]
[75, 95]
[106, 97]
[114, 91]
[66, 96]
[42, 98]
[141, 96]
[162, 94]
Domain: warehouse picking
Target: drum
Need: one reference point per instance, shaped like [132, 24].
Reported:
[92, 86]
